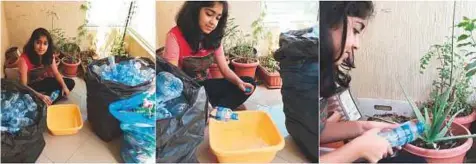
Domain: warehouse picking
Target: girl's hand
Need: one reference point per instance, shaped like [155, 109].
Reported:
[243, 87]
[65, 92]
[367, 125]
[45, 99]
[371, 146]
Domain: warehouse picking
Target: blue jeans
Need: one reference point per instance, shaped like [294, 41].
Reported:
[301, 103]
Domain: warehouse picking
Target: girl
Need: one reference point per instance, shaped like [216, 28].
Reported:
[38, 69]
[196, 42]
[341, 24]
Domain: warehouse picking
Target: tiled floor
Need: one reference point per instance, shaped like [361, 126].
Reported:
[87, 147]
[82, 147]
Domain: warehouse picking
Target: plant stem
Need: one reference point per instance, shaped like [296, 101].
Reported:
[455, 137]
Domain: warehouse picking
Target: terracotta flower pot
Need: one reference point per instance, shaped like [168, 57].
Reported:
[245, 69]
[215, 72]
[466, 120]
[453, 155]
[272, 80]
[70, 69]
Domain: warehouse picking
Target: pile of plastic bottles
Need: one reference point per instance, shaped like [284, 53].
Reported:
[129, 72]
[170, 99]
[139, 143]
[18, 111]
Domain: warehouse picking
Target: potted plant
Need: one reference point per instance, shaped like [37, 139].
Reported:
[71, 60]
[232, 32]
[246, 58]
[268, 71]
[452, 64]
[444, 139]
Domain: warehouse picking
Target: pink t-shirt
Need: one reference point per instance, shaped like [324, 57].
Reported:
[172, 49]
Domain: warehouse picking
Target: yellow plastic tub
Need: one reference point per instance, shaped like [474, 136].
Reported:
[64, 119]
[253, 138]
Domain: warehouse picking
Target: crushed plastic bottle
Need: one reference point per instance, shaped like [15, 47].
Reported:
[168, 86]
[139, 143]
[405, 133]
[18, 111]
[224, 114]
[130, 72]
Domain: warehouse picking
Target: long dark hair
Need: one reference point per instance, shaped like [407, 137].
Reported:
[187, 22]
[29, 48]
[332, 15]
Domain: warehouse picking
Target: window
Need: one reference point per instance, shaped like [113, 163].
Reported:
[143, 22]
[104, 14]
[291, 14]
[107, 13]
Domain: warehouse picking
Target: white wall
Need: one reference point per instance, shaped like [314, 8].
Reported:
[24, 17]
[396, 38]
[5, 40]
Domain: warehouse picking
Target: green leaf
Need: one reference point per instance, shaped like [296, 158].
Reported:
[448, 124]
[462, 37]
[456, 137]
[412, 104]
[471, 73]
[462, 24]
[469, 27]
[465, 18]
[470, 66]
[463, 44]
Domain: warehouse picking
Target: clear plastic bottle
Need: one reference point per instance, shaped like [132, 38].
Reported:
[30, 103]
[54, 95]
[405, 133]
[19, 122]
[168, 86]
[224, 114]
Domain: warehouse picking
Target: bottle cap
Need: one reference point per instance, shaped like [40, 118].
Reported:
[420, 127]
[234, 116]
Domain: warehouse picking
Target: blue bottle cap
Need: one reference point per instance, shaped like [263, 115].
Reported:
[420, 127]
[234, 116]
[247, 90]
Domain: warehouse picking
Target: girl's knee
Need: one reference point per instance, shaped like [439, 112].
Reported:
[69, 83]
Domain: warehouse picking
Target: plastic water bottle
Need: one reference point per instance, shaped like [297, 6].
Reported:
[54, 95]
[224, 114]
[20, 122]
[30, 103]
[406, 133]
[168, 86]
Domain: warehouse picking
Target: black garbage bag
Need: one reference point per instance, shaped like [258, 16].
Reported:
[100, 93]
[298, 60]
[27, 144]
[178, 137]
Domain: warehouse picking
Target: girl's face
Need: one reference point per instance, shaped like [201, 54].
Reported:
[41, 45]
[355, 26]
[209, 17]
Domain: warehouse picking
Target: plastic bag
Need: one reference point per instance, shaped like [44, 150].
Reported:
[27, 144]
[101, 93]
[179, 136]
[298, 60]
[138, 145]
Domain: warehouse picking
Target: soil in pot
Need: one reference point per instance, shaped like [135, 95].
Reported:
[441, 145]
[246, 60]
[390, 117]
